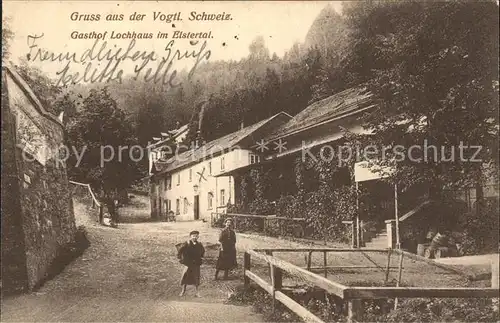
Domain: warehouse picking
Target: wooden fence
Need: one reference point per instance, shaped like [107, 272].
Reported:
[297, 224]
[85, 192]
[350, 294]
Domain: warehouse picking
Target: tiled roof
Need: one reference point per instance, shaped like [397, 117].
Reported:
[173, 134]
[211, 148]
[336, 106]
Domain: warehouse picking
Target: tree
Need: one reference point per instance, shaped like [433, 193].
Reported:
[97, 132]
[7, 36]
[433, 68]
[44, 87]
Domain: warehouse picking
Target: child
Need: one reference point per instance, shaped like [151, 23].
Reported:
[190, 255]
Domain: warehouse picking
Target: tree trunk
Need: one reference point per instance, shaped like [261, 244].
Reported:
[479, 196]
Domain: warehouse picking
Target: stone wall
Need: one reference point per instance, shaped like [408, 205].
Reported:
[41, 215]
[13, 260]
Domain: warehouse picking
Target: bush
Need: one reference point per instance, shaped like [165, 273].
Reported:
[333, 309]
[262, 303]
[482, 230]
[442, 310]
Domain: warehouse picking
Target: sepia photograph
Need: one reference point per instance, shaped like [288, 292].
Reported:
[250, 161]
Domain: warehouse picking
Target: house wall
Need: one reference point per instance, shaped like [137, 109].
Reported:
[41, 191]
[208, 184]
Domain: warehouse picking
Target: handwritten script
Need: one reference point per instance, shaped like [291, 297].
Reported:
[102, 63]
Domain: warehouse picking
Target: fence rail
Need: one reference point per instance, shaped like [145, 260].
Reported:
[87, 191]
[350, 294]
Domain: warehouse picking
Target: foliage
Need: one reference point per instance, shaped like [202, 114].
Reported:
[98, 131]
[434, 74]
[262, 303]
[327, 208]
[7, 36]
[482, 230]
[441, 310]
[377, 310]
[43, 87]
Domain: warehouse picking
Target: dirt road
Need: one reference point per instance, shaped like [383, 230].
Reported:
[132, 274]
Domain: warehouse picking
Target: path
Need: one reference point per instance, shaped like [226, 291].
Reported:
[132, 274]
[129, 274]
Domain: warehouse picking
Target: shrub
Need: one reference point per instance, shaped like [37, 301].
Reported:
[481, 230]
[442, 310]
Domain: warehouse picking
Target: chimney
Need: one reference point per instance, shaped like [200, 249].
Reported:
[200, 114]
[197, 141]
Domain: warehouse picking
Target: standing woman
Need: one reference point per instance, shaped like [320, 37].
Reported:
[227, 253]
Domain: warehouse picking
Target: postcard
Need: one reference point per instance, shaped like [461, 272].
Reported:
[250, 161]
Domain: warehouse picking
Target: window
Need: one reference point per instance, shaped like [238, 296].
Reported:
[254, 159]
[210, 200]
[165, 206]
[210, 168]
[165, 184]
[222, 197]
[177, 206]
[222, 166]
[190, 174]
[168, 206]
[179, 179]
[185, 205]
[169, 183]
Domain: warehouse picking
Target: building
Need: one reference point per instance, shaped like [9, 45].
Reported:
[172, 138]
[37, 210]
[319, 126]
[189, 183]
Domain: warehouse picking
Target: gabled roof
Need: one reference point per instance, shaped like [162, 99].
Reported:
[337, 106]
[172, 133]
[214, 147]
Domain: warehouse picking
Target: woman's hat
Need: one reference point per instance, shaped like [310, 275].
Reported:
[228, 220]
[194, 232]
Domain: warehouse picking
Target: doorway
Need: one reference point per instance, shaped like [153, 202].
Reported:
[196, 207]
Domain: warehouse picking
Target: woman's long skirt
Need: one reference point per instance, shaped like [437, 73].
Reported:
[227, 259]
[191, 276]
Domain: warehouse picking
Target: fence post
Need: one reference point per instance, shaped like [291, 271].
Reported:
[277, 282]
[400, 271]
[387, 268]
[353, 310]
[246, 267]
[309, 261]
[353, 236]
[270, 253]
[495, 281]
[101, 214]
[325, 263]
